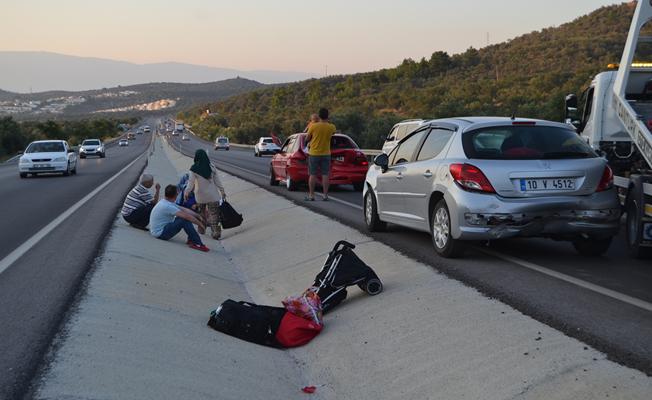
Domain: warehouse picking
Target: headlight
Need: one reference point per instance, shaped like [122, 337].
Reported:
[59, 159]
[24, 161]
[81, 150]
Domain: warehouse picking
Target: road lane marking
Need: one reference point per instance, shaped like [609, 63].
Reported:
[32, 241]
[570, 279]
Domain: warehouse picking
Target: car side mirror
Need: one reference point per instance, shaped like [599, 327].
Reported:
[382, 160]
[71, 151]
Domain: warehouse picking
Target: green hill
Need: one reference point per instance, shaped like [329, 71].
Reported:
[528, 75]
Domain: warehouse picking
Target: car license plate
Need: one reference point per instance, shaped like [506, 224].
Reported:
[532, 185]
[41, 165]
[339, 158]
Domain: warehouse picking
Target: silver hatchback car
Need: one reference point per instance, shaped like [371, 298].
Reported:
[484, 178]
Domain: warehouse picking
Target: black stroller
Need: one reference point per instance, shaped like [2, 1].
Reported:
[344, 268]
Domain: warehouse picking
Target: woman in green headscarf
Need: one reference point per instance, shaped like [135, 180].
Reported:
[209, 192]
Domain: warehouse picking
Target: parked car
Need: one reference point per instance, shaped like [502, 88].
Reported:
[185, 137]
[92, 147]
[399, 131]
[491, 178]
[222, 142]
[48, 156]
[265, 145]
[123, 142]
[348, 164]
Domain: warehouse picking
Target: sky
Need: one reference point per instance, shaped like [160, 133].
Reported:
[334, 36]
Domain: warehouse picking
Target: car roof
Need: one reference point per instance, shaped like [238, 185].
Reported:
[49, 141]
[92, 139]
[469, 123]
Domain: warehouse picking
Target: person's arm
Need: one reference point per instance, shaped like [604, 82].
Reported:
[191, 216]
[190, 186]
[157, 187]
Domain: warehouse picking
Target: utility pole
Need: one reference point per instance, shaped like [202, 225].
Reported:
[326, 70]
[487, 38]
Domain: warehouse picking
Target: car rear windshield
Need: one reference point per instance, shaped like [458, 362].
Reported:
[268, 141]
[342, 142]
[45, 147]
[525, 143]
[91, 143]
[222, 140]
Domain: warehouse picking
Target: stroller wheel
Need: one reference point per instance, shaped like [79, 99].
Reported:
[371, 286]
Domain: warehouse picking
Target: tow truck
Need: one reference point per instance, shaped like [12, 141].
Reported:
[615, 118]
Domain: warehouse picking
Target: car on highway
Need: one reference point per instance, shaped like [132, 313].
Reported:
[349, 164]
[92, 147]
[265, 145]
[222, 142]
[486, 178]
[398, 132]
[131, 136]
[123, 142]
[48, 156]
[147, 129]
[185, 137]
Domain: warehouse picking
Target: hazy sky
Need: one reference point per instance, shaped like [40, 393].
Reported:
[299, 35]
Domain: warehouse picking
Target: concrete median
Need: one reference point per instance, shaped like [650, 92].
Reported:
[139, 330]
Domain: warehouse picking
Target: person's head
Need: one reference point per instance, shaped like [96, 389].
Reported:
[323, 114]
[314, 118]
[147, 180]
[201, 157]
[171, 192]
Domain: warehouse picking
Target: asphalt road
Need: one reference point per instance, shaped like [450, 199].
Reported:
[605, 302]
[37, 290]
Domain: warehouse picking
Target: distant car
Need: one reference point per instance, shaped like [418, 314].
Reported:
[222, 142]
[486, 178]
[147, 129]
[140, 131]
[92, 147]
[185, 137]
[348, 163]
[265, 145]
[398, 132]
[48, 156]
[131, 136]
[123, 142]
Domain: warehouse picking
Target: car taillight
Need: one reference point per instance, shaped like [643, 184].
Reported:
[471, 178]
[298, 158]
[607, 180]
[361, 159]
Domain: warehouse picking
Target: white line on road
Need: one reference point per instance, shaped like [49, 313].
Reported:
[567, 278]
[32, 241]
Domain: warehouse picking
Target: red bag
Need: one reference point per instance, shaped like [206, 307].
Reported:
[296, 331]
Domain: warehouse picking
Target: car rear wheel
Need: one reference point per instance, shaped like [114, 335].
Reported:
[592, 247]
[272, 178]
[289, 183]
[23, 174]
[440, 229]
[373, 222]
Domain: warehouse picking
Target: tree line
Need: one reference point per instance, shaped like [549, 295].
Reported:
[527, 76]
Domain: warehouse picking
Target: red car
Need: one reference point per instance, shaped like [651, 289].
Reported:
[348, 164]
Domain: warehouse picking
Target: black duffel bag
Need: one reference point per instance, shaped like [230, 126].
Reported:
[230, 218]
[248, 321]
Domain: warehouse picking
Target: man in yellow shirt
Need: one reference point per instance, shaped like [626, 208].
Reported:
[319, 139]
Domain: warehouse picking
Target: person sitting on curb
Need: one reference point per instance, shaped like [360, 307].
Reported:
[139, 203]
[209, 192]
[168, 219]
[319, 156]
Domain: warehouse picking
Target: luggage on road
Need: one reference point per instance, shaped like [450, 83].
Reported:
[344, 268]
[229, 216]
[248, 321]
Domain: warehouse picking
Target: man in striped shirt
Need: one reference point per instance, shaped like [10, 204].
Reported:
[139, 202]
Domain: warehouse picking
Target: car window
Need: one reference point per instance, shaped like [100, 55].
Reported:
[390, 135]
[289, 144]
[45, 147]
[268, 141]
[434, 143]
[405, 151]
[222, 140]
[342, 142]
[400, 132]
[525, 143]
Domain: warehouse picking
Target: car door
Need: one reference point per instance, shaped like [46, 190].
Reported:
[390, 188]
[279, 160]
[419, 175]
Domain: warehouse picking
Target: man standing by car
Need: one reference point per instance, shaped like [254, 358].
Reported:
[168, 219]
[139, 202]
[319, 139]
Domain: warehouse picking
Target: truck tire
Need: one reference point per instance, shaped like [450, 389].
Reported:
[591, 247]
[634, 230]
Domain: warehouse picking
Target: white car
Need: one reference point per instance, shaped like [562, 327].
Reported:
[147, 129]
[92, 147]
[185, 137]
[123, 142]
[399, 131]
[222, 142]
[265, 145]
[48, 156]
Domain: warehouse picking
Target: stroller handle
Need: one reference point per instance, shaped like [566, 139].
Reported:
[343, 243]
